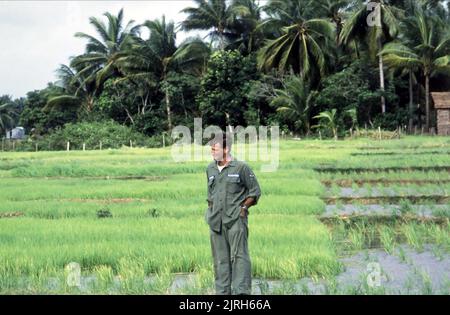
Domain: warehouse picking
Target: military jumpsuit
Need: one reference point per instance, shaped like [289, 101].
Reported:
[227, 191]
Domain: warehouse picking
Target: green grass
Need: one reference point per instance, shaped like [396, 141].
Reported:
[60, 193]
[182, 245]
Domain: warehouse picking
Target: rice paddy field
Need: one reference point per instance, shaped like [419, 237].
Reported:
[133, 219]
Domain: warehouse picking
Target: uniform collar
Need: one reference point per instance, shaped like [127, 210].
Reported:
[232, 162]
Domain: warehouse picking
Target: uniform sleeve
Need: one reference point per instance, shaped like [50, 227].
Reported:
[251, 183]
[208, 187]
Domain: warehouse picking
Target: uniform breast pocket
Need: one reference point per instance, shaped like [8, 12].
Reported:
[233, 185]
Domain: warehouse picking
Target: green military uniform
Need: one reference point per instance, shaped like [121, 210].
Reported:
[227, 190]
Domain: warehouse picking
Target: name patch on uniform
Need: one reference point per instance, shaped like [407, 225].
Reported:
[233, 175]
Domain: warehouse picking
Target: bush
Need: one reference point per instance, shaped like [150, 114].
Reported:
[111, 134]
[391, 121]
[104, 213]
[154, 213]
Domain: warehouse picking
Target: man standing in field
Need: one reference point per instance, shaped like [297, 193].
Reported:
[232, 190]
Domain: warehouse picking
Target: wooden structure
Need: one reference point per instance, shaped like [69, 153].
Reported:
[442, 106]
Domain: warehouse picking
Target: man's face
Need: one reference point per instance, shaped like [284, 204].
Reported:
[217, 151]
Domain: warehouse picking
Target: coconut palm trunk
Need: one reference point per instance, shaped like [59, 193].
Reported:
[90, 103]
[221, 39]
[411, 100]
[427, 101]
[168, 108]
[380, 62]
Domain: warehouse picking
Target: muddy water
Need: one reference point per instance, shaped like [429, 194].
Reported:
[370, 271]
[405, 272]
[388, 192]
[426, 211]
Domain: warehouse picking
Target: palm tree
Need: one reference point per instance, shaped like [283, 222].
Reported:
[8, 113]
[154, 60]
[403, 70]
[357, 28]
[352, 113]
[247, 26]
[303, 43]
[295, 100]
[79, 90]
[428, 49]
[334, 10]
[211, 14]
[102, 53]
[327, 120]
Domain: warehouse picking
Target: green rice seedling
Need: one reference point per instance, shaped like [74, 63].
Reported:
[413, 235]
[370, 235]
[339, 205]
[356, 237]
[131, 276]
[387, 238]
[394, 210]
[441, 212]
[338, 236]
[426, 284]
[104, 279]
[32, 285]
[204, 281]
[304, 289]
[445, 287]
[402, 255]
[440, 236]
[335, 190]
[369, 190]
[263, 286]
[437, 252]
[405, 206]
[368, 285]
[410, 286]
[331, 287]
[287, 287]
[163, 281]
[397, 190]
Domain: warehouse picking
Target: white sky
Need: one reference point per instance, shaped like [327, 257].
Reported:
[37, 36]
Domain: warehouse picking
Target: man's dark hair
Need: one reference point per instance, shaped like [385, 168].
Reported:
[224, 139]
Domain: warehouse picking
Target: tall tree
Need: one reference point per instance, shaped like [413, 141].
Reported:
[427, 47]
[304, 41]
[249, 35]
[79, 90]
[215, 16]
[334, 10]
[100, 58]
[155, 59]
[8, 113]
[376, 22]
[295, 100]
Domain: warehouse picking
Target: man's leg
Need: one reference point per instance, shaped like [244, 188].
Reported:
[221, 257]
[240, 259]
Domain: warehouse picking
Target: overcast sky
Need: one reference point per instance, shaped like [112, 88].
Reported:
[37, 36]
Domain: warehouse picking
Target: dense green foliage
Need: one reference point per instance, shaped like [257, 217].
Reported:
[246, 74]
